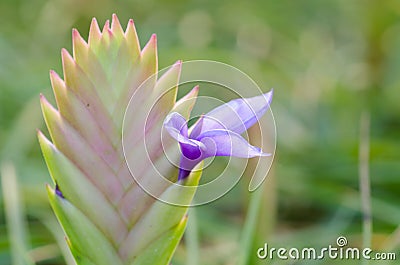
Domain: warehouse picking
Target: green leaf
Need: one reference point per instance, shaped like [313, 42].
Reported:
[81, 192]
[161, 217]
[84, 235]
[80, 259]
[70, 142]
[160, 252]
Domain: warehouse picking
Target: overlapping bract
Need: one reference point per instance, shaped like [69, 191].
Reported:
[107, 217]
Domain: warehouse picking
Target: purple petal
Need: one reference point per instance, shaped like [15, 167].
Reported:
[176, 126]
[192, 155]
[228, 143]
[237, 115]
[186, 165]
[191, 149]
[218, 143]
[197, 127]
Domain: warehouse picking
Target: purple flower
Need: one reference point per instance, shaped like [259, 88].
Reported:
[217, 133]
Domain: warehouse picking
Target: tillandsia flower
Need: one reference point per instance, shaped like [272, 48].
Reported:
[106, 216]
[217, 133]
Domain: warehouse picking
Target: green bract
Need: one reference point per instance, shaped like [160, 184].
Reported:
[106, 216]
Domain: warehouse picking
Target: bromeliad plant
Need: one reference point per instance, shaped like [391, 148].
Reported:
[106, 216]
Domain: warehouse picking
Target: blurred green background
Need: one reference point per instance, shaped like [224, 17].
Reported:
[335, 67]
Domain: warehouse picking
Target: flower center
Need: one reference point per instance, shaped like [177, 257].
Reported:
[191, 153]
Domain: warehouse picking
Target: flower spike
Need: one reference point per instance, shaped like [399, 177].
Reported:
[106, 216]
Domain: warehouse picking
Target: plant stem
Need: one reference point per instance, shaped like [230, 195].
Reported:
[15, 216]
[192, 239]
[364, 178]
